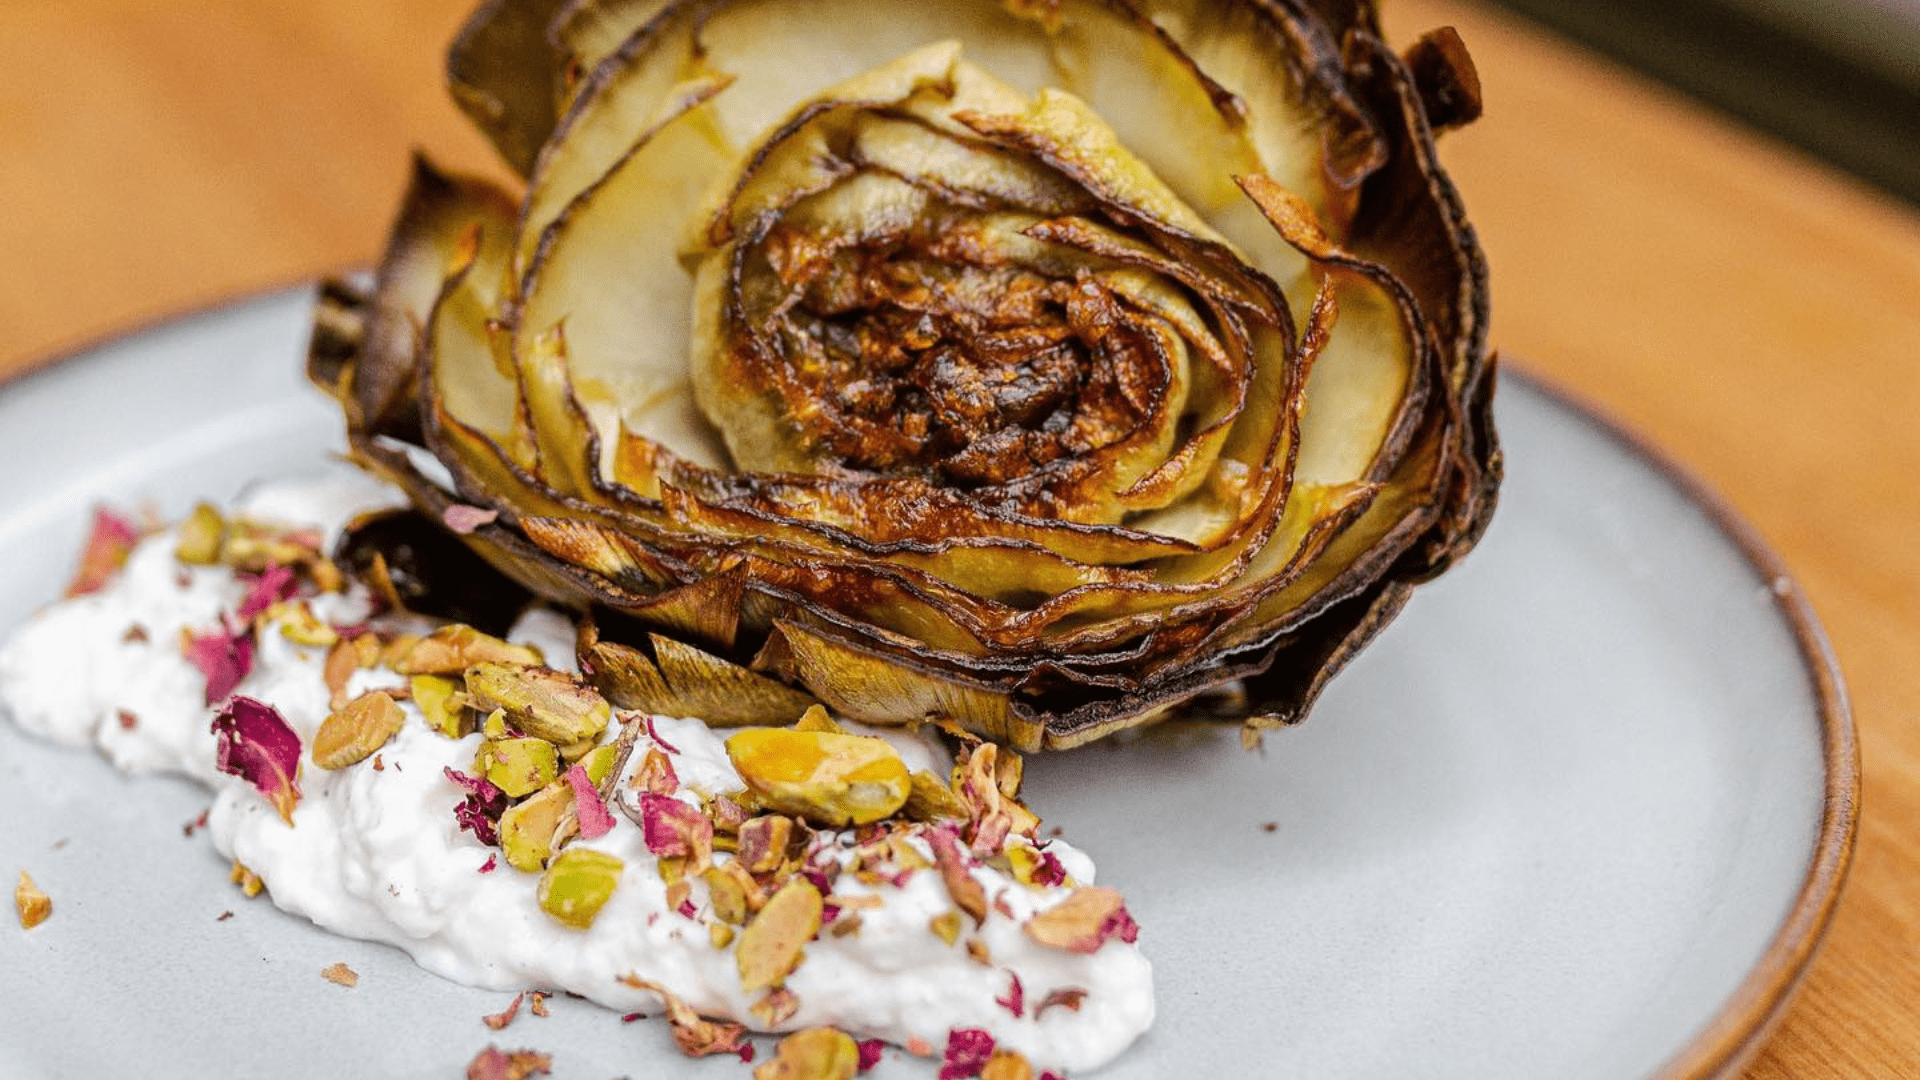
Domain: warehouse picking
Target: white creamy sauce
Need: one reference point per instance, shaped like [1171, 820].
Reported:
[378, 854]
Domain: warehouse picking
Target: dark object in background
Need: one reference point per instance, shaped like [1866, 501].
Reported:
[1838, 78]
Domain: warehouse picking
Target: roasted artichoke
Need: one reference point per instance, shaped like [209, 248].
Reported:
[1037, 365]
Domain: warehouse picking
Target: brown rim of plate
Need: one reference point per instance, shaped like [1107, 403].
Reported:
[1736, 1034]
[1740, 1029]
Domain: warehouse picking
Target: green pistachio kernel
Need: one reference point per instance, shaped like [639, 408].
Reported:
[517, 766]
[578, 884]
[527, 827]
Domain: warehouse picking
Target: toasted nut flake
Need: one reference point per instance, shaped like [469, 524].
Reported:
[517, 766]
[946, 926]
[199, 536]
[341, 974]
[1007, 1065]
[352, 733]
[444, 712]
[577, 884]
[978, 952]
[930, 799]
[537, 1001]
[540, 701]
[817, 1053]
[249, 882]
[1083, 921]
[774, 943]
[457, 647]
[775, 1007]
[527, 827]
[831, 779]
[32, 905]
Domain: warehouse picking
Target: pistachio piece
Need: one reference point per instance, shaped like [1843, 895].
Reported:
[733, 893]
[830, 779]
[355, 730]
[817, 719]
[456, 647]
[527, 827]
[578, 884]
[517, 766]
[249, 882]
[762, 843]
[1007, 1065]
[774, 943]
[817, 1053]
[30, 903]
[540, 701]
[929, 798]
[199, 536]
[300, 625]
[435, 696]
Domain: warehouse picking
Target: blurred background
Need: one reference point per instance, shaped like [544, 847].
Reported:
[1838, 78]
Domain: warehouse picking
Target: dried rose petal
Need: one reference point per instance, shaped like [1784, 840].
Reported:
[111, 540]
[479, 813]
[499, 1020]
[1066, 997]
[1016, 1000]
[492, 862]
[655, 736]
[225, 657]
[463, 519]
[968, 1051]
[694, 1034]
[954, 862]
[1084, 921]
[673, 828]
[274, 584]
[257, 745]
[870, 1051]
[656, 774]
[587, 806]
[494, 1063]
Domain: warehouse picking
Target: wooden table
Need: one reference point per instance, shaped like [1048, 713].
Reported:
[1751, 312]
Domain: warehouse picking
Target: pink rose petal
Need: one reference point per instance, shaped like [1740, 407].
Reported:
[276, 584]
[673, 828]
[463, 519]
[478, 813]
[109, 543]
[968, 1050]
[588, 808]
[258, 746]
[223, 657]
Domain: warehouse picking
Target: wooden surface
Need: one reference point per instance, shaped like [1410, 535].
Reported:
[1753, 314]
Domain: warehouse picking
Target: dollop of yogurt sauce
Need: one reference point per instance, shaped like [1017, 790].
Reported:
[378, 853]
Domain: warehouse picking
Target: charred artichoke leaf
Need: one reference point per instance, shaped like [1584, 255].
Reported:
[680, 680]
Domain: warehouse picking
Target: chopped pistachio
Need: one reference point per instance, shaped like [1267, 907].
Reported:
[720, 934]
[816, 719]
[30, 903]
[655, 774]
[775, 1007]
[774, 943]
[455, 648]
[435, 695]
[1007, 1065]
[929, 798]
[817, 1053]
[527, 827]
[577, 884]
[598, 762]
[300, 625]
[540, 701]
[495, 725]
[763, 842]
[574, 751]
[341, 975]
[354, 731]
[1034, 868]
[200, 533]
[730, 890]
[517, 766]
[249, 882]
[831, 779]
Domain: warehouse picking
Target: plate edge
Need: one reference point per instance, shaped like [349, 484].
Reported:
[1742, 1026]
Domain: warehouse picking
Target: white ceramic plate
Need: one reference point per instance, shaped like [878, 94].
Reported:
[1580, 813]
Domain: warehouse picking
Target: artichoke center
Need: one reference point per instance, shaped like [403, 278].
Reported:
[924, 355]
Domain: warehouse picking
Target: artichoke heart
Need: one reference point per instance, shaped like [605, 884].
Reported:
[1033, 367]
